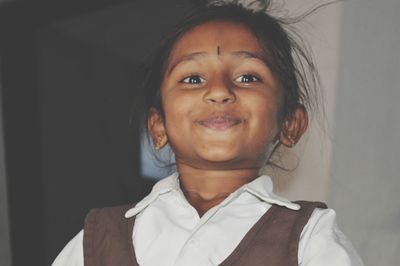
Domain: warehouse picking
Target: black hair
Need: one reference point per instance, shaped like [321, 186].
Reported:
[287, 55]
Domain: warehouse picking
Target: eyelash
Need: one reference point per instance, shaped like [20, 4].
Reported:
[194, 75]
[256, 77]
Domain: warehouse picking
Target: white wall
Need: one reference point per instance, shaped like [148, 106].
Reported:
[311, 180]
[366, 179]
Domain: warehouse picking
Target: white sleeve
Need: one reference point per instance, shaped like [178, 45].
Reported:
[322, 243]
[72, 254]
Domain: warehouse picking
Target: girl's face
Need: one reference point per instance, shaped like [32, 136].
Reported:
[220, 100]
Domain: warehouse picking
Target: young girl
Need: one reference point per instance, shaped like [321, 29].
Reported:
[225, 91]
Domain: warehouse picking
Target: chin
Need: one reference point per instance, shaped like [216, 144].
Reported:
[219, 155]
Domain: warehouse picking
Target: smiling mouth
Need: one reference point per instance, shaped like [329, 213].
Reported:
[220, 123]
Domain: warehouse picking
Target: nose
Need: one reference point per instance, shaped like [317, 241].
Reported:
[219, 92]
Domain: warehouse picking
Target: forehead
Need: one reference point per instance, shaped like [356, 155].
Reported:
[228, 36]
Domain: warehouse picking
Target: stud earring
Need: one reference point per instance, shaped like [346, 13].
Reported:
[157, 143]
[291, 141]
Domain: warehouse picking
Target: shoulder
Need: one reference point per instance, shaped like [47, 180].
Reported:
[107, 214]
[308, 208]
[107, 220]
[106, 236]
[323, 243]
[97, 222]
[72, 253]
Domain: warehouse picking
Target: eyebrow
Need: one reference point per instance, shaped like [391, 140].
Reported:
[247, 54]
[197, 55]
[185, 58]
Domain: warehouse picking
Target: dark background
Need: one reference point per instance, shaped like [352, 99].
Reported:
[71, 72]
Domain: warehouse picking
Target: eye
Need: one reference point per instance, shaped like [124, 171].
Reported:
[193, 79]
[247, 78]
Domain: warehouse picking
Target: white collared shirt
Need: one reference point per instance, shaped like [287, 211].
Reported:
[169, 231]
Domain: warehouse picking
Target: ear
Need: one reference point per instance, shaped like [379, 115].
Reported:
[155, 126]
[294, 126]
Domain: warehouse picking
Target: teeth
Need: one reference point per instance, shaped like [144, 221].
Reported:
[220, 122]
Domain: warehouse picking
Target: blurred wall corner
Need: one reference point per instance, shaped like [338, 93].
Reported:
[5, 247]
[5, 1]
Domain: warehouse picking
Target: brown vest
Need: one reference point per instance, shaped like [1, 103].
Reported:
[272, 241]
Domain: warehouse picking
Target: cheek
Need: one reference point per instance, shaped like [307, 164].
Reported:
[178, 111]
[264, 120]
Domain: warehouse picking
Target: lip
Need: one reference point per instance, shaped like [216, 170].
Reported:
[220, 122]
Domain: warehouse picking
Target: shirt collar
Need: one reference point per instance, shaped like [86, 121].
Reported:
[261, 187]
[163, 186]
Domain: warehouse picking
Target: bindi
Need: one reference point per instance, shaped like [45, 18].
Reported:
[218, 50]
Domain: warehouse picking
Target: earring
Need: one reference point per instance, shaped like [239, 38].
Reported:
[159, 142]
[292, 142]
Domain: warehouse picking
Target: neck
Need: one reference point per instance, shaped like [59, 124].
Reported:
[206, 188]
